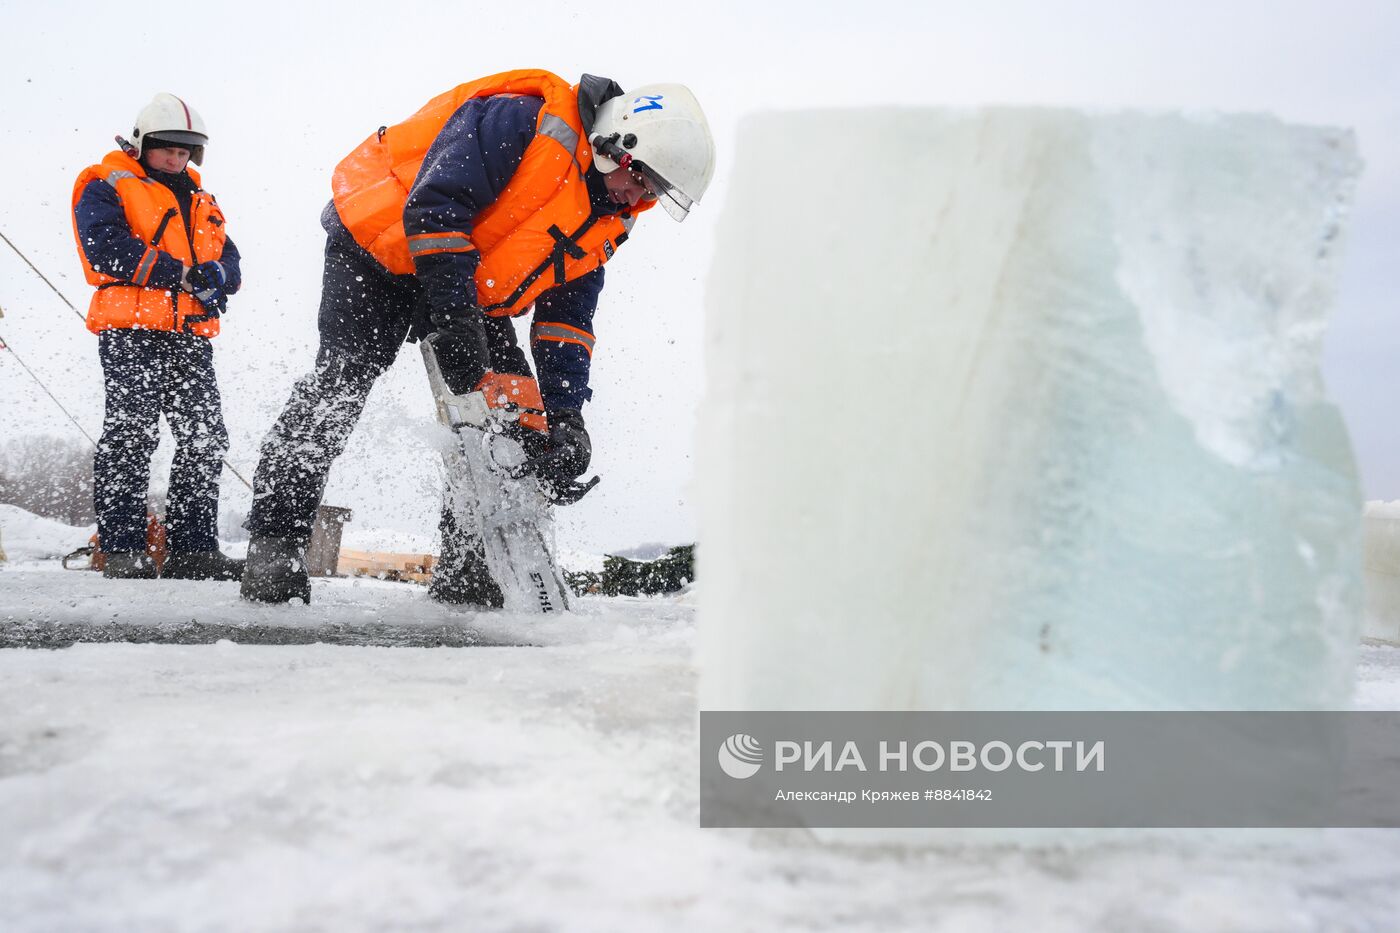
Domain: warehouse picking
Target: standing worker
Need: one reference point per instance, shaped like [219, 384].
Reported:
[154, 244]
[503, 194]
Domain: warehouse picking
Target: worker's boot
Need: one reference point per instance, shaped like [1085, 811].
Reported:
[276, 571]
[129, 565]
[460, 575]
[201, 565]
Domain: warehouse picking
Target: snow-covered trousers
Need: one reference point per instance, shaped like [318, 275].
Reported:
[364, 317]
[310, 434]
[366, 314]
[147, 373]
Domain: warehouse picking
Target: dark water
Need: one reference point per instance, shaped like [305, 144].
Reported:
[28, 633]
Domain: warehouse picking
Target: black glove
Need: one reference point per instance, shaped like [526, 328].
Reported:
[567, 449]
[206, 282]
[459, 321]
[560, 456]
[214, 300]
[207, 275]
[459, 340]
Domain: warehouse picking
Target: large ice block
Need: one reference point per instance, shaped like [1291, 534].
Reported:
[1020, 409]
[1382, 575]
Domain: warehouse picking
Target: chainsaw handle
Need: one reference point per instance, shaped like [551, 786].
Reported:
[557, 492]
[568, 493]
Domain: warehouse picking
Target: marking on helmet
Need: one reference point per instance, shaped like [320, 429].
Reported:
[654, 105]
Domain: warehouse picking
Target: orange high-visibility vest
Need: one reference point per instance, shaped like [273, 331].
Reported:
[154, 217]
[539, 233]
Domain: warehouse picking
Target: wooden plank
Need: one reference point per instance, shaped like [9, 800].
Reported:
[387, 565]
[387, 558]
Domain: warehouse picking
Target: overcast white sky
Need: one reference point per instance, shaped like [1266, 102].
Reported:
[287, 89]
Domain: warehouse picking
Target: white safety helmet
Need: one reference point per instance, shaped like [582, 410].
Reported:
[170, 119]
[659, 131]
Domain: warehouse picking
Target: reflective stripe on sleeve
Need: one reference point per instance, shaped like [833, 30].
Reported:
[116, 176]
[425, 243]
[144, 267]
[562, 333]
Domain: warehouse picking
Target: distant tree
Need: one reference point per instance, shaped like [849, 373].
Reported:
[49, 476]
[584, 582]
[667, 574]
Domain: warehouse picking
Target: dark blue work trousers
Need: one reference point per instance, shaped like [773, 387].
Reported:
[146, 374]
[366, 314]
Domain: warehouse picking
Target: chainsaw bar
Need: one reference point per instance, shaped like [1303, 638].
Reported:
[506, 515]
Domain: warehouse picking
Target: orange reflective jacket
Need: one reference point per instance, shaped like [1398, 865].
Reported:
[539, 233]
[154, 217]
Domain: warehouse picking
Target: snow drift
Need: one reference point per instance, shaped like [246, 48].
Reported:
[29, 537]
[1022, 409]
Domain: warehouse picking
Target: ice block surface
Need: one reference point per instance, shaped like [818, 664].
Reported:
[1019, 408]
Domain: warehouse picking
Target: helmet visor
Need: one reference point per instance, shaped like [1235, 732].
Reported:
[165, 139]
[676, 202]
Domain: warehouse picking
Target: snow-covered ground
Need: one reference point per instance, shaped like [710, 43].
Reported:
[548, 784]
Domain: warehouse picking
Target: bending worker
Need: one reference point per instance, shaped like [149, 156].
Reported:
[504, 194]
[155, 245]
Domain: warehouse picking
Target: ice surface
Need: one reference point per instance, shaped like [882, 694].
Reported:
[311, 787]
[1021, 409]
